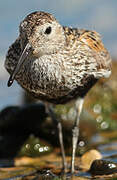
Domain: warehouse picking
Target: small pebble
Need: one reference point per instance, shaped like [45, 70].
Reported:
[89, 157]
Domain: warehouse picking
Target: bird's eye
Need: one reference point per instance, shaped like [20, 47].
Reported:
[48, 30]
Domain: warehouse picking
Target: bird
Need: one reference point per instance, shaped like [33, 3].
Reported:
[57, 64]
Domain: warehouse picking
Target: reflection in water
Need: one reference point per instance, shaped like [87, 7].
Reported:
[97, 108]
[99, 119]
[104, 125]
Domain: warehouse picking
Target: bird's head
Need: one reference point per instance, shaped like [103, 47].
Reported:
[44, 34]
[40, 34]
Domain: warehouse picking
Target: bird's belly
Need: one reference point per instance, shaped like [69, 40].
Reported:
[54, 82]
[57, 91]
[44, 81]
[47, 90]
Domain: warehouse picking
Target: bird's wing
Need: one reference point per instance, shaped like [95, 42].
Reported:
[96, 52]
[13, 56]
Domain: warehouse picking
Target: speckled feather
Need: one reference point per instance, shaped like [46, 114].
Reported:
[63, 65]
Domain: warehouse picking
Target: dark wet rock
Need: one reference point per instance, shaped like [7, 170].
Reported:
[103, 167]
[15, 119]
[16, 124]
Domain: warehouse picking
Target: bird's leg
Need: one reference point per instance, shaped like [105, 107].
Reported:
[59, 126]
[75, 131]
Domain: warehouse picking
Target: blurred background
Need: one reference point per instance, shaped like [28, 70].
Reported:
[99, 15]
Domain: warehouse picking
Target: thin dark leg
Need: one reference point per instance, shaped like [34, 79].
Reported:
[75, 131]
[59, 126]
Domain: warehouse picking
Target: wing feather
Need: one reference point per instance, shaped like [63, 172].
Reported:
[13, 56]
[98, 53]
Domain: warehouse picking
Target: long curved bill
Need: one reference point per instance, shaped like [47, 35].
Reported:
[23, 57]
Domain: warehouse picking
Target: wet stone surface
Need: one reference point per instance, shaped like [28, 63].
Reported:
[103, 167]
[16, 173]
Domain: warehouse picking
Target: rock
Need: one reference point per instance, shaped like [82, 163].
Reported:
[103, 167]
[16, 124]
[89, 157]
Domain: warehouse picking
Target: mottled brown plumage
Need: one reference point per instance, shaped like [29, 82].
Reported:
[55, 63]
